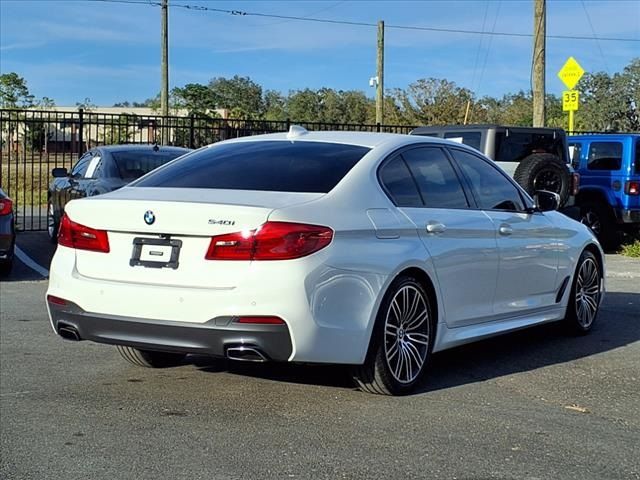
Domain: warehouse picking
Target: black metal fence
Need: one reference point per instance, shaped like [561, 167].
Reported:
[33, 142]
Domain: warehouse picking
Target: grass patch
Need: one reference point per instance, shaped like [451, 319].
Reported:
[27, 181]
[631, 249]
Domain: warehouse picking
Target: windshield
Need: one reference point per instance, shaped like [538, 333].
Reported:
[134, 164]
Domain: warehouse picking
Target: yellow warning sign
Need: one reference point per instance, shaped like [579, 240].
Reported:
[570, 73]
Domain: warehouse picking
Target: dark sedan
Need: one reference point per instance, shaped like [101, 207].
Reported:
[7, 234]
[101, 170]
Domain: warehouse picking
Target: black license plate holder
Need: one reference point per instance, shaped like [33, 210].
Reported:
[140, 243]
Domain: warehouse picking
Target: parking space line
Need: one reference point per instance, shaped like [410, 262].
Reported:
[29, 262]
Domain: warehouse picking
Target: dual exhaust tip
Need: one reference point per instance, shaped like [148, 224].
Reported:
[240, 353]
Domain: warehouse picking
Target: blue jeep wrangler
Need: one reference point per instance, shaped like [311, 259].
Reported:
[609, 197]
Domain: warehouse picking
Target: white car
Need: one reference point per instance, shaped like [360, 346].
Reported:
[373, 250]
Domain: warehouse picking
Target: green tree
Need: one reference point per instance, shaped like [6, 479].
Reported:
[304, 105]
[240, 95]
[432, 101]
[275, 106]
[197, 99]
[14, 92]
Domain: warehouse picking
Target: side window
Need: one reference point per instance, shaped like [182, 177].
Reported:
[492, 190]
[468, 138]
[80, 168]
[637, 159]
[397, 181]
[604, 156]
[438, 182]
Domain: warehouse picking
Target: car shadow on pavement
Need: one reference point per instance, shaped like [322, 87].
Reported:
[618, 325]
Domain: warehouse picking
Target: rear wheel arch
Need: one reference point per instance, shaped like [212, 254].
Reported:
[427, 283]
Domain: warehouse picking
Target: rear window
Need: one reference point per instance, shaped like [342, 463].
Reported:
[637, 159]
[277, 166]
[516, 146]
[132, 164]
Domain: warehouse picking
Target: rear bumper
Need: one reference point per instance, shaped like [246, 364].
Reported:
[210, 338]
[627, 215]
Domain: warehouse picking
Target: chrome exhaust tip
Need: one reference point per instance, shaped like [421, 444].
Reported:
[246, 354]
[69, 333]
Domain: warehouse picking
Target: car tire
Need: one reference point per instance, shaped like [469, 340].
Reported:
[52, 224]
[599, 218]
[5, 267]
[544, 171]
[401, 341]
[149, 358]
[585, 296]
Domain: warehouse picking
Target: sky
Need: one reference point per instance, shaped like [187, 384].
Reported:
[110, 52]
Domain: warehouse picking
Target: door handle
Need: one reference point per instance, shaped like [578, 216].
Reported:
[436, 227]
[505, 230]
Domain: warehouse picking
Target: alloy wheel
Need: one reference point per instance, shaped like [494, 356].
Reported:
[591, 220]
[548, 180]
[406, 334]
[587, 295]
[51, 222]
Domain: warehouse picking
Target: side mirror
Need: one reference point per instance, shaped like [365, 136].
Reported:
[546, 201]
[59, 172]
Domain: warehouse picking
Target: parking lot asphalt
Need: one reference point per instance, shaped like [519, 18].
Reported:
[537, 404]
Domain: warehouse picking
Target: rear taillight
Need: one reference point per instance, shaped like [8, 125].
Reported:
[6, 206]
[272, 241]
[632, 187]
[575, 183]
[74, 235]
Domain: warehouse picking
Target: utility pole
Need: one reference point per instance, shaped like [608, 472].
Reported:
[539, 54]
[164, 67]
[380, 74]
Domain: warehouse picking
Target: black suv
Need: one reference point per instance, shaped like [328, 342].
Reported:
[536, 158]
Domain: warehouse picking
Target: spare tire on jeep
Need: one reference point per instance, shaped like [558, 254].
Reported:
[544, 171]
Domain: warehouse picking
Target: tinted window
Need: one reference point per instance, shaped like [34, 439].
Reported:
[439, 185]
[492, 190]
[396, 179]
[518, 145]
[604, 156]
[134, 164]
[80, 168]
[637, 165]
[468, 138]
[278, 166]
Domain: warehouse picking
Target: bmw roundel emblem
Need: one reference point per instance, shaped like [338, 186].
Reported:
[149, 217]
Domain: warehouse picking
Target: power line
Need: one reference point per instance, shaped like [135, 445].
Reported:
[586, 12]
[242, 13]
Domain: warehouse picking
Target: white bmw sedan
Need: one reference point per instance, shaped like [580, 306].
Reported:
[372, 250]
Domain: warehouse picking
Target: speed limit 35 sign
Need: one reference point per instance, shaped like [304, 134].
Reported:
[570, 100]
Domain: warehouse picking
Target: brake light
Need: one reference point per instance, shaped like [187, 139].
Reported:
[261, 320]
[6, 206]
[272, 241]
[632, 187]
[81, 237]
[575, 183]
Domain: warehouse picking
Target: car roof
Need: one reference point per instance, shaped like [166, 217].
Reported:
[603, 136]
[479, 126]
[141, 147]
[364, 139]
